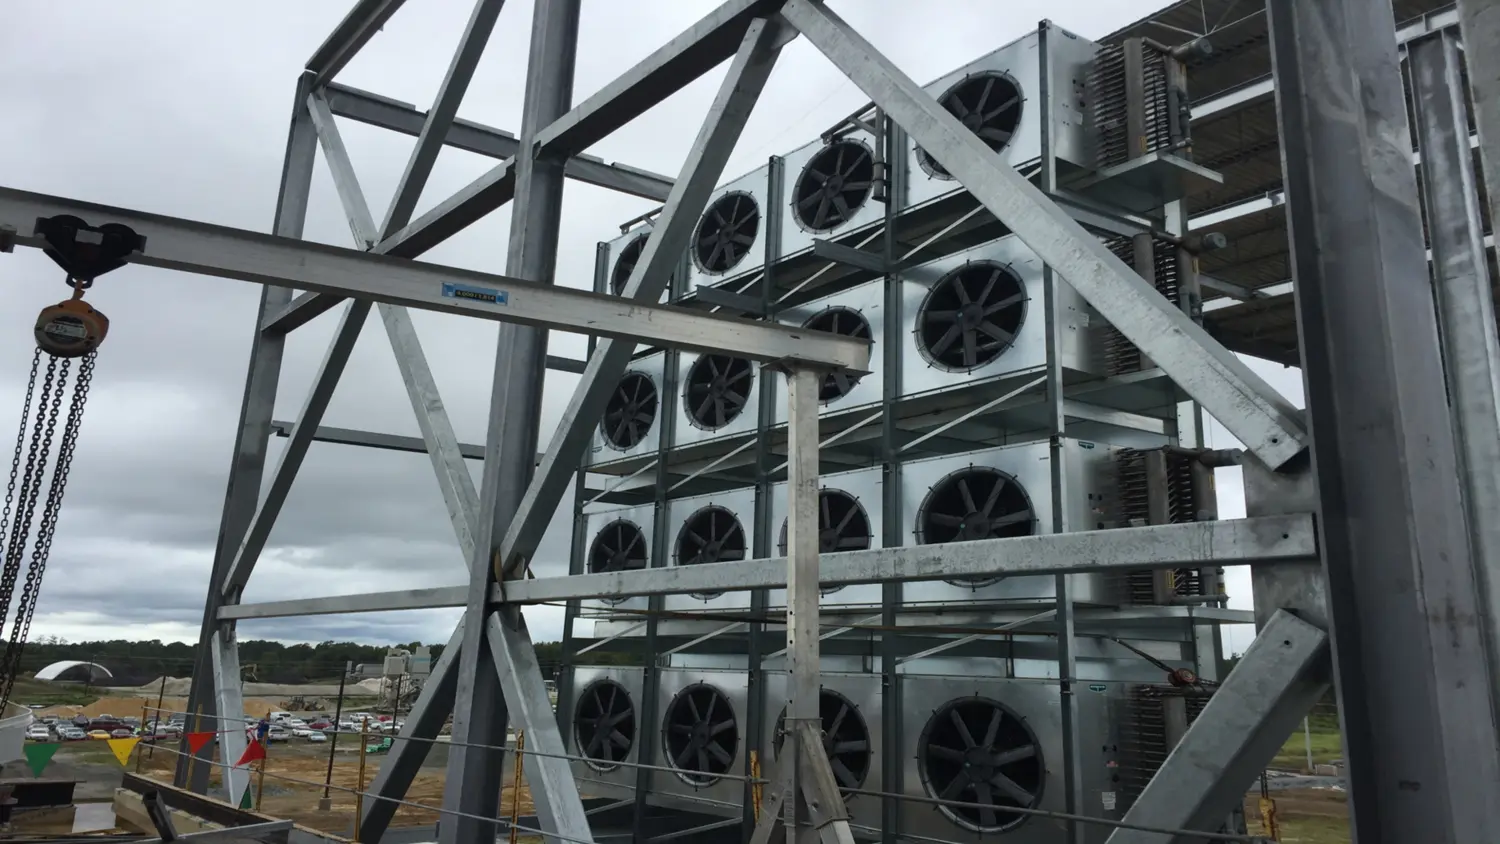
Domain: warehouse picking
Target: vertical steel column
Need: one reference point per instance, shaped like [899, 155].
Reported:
[1057, 423]
[480, 715]
[763, 538]
[1465, 303]
[802, 646]
[892, 765]
[1413, 680]
[254, 433]
[1480, 22]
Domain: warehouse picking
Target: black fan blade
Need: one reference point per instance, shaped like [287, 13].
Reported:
[987, 814]
[947, 753]
[963, 728]
[845, 776]
[1013, 790]
[1014, 755]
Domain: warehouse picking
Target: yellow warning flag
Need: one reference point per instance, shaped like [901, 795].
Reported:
[122, 747]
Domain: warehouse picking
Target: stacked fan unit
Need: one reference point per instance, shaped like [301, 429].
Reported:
[710, 529]
[849, 706]
[978, 315]
[998, 97]
[729, 241]
[831, 188]
[856, 312]
[618, 540]
[629, 431]
[999, 493]
[607, 725]
[622, 254]
[848, 520]
[997, 744]
[718, 398]
[702, 735]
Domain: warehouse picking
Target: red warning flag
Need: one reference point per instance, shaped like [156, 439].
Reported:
[253, 751]
[197, 741]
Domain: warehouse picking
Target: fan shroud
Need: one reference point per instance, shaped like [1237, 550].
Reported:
[971, 316]
[845, 322]
[988, 103]
[630, 412]
[717, 390]
[846, 739]
[975, 502]
[621, 545]
[833, 186]
[604, 724]
[700, 734]
[712, 534]
[843, 525]
[977, 750]
[727, 233]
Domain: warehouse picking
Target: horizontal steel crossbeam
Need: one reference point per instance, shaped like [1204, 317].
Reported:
[1259, 540]
[224, 252]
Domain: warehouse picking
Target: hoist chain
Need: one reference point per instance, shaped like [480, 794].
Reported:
[16, 520]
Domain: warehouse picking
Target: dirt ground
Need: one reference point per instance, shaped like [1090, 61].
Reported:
[1305, 815]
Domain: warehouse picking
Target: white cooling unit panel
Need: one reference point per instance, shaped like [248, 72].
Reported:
[710, 529]
[1006, 492]
[980, 314]
[618, 540]
[702, 735]
[607, 726]
[623, 253]
[830, 190]
[998, 98]
[718, 397]
[998, 743]
[729, 241]
[849, 519]
[856, 312]
[849, 706]
[630, 429]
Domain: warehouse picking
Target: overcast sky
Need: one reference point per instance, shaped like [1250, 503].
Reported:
[181, 108]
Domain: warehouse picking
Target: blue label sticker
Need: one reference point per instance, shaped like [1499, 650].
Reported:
[478, 294]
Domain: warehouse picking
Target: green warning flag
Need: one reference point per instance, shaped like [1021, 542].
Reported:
[246, 801]
[38, 755]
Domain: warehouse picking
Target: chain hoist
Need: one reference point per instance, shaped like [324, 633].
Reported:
[66, 332]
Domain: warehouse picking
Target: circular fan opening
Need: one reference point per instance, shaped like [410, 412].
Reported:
[975, 750]
[975, 503]
[717, 389]
[726, 232]
[834, 185]
[625, 264]
[618, 546]
[971, 316]
[843, 525]
[846, 738]
[630, 411]
[987, 104]
[845, 322]
[604, 724]
[711, 535]
[700, 734]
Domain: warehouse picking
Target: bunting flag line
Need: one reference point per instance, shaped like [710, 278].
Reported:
[38, 755]
[246, 802]
[197, 741]
[253, 751]
[123, 746]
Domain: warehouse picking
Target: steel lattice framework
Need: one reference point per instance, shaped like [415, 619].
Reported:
[1363, 542]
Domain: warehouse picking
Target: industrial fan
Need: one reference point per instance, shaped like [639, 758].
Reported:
[700, 734]
[846, 738]
[604, 724]
[987, 104]
[834, 185]
[846, 322]
[717, 389]
[976, 502]
[726, 232]
[630, 411]
[618, 546]
[842, 526]
[711, 535]
[625, 264]
[977, 753]
[971, 316]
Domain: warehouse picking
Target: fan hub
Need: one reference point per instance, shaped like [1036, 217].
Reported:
[971, 316]
[973, 121]
[975, 526]
[828, 540]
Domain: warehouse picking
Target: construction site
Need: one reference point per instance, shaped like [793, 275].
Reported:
[895, 511]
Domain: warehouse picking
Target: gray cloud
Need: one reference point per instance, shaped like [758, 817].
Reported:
[181, 108]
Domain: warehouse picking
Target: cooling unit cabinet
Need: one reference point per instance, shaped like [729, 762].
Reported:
[849, 519]
[718, 397]
[856, 312]
[979, 315]
[998, 743]
[710, 529]
[607, 726]
[999, 98]
[849, 705]
[729, 241]
[1006, 492]
[830, 190]
[701, 727]
[618, 540]
[629, 432]
[622, 254]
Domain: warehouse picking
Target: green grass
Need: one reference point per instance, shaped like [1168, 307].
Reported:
[29, 691]
[1314, 829]
[1327, 745]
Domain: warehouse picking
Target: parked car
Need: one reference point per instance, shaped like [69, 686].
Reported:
[69, 733]
[121, 732]
[278, 733]
[49, 720]
[302, 732]
[38, 732]
[98, 734]
[315, 736]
